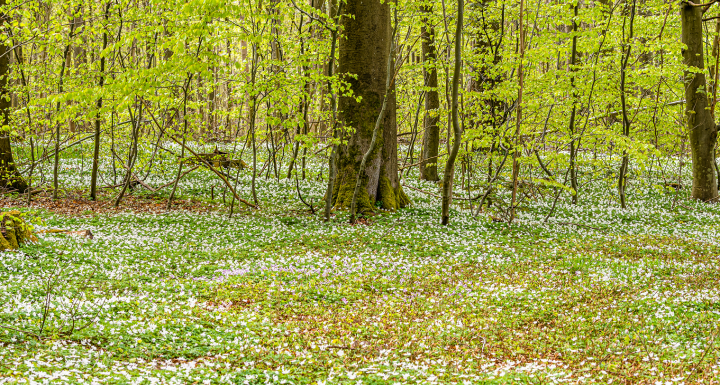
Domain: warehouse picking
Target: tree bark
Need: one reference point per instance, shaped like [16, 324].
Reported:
[450, 165]
[9, 175]
[573, 113]
[488, 48]
[431, 135]
[373, 141]
[56, 163]
[101, 82]
[363, 53]
[622, 175]
[518, 113]
[335, 14]
[702, 130]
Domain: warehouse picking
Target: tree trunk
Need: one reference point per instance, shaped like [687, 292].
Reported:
[56, 163]
[9, 175]
[431, 135]
[702, 130]
[518, 113]
[494, 111]
[304, 104]
[622, 175]
[573, 113]
[364, 52]
[76, 57]
[376, 130]
[450, 165]
[332, 161]
[96, 148]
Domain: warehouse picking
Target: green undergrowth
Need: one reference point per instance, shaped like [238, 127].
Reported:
[593, 294]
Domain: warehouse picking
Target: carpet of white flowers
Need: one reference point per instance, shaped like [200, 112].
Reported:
[595, 294]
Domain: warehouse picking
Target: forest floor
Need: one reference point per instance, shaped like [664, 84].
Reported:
[593, 294]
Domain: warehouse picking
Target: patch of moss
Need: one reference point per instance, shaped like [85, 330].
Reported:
[392, 198]
[402, 198]
[9, 232]
[387, 194]
[388, 198]
[4, 244]
[343, 192]
[14, 231]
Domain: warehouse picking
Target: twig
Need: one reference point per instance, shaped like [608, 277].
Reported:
[323, 149]
[438, 196]
[685, 207]
[21, 331]
[143, 183]
[340, 347]
[111, 186]
[707, 348]
[701, 5]
[613, 114]
[424, 160]
[47, 156]
[712, 199]
[422, 191]
[181, 175]
[297, 186]
[133, 175]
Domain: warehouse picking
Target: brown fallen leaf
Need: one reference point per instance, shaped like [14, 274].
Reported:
[76, 204]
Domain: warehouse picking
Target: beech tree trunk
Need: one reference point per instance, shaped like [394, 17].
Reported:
[9, 175]
[702, 130]
[431, 134]
[364, 51]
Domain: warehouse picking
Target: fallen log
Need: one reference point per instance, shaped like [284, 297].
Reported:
[81, 233]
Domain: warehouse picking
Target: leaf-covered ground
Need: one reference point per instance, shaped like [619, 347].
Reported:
[594, 294]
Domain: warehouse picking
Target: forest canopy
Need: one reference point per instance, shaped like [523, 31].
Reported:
[553, 95]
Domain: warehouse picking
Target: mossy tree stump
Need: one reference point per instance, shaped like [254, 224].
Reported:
[14, 231]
